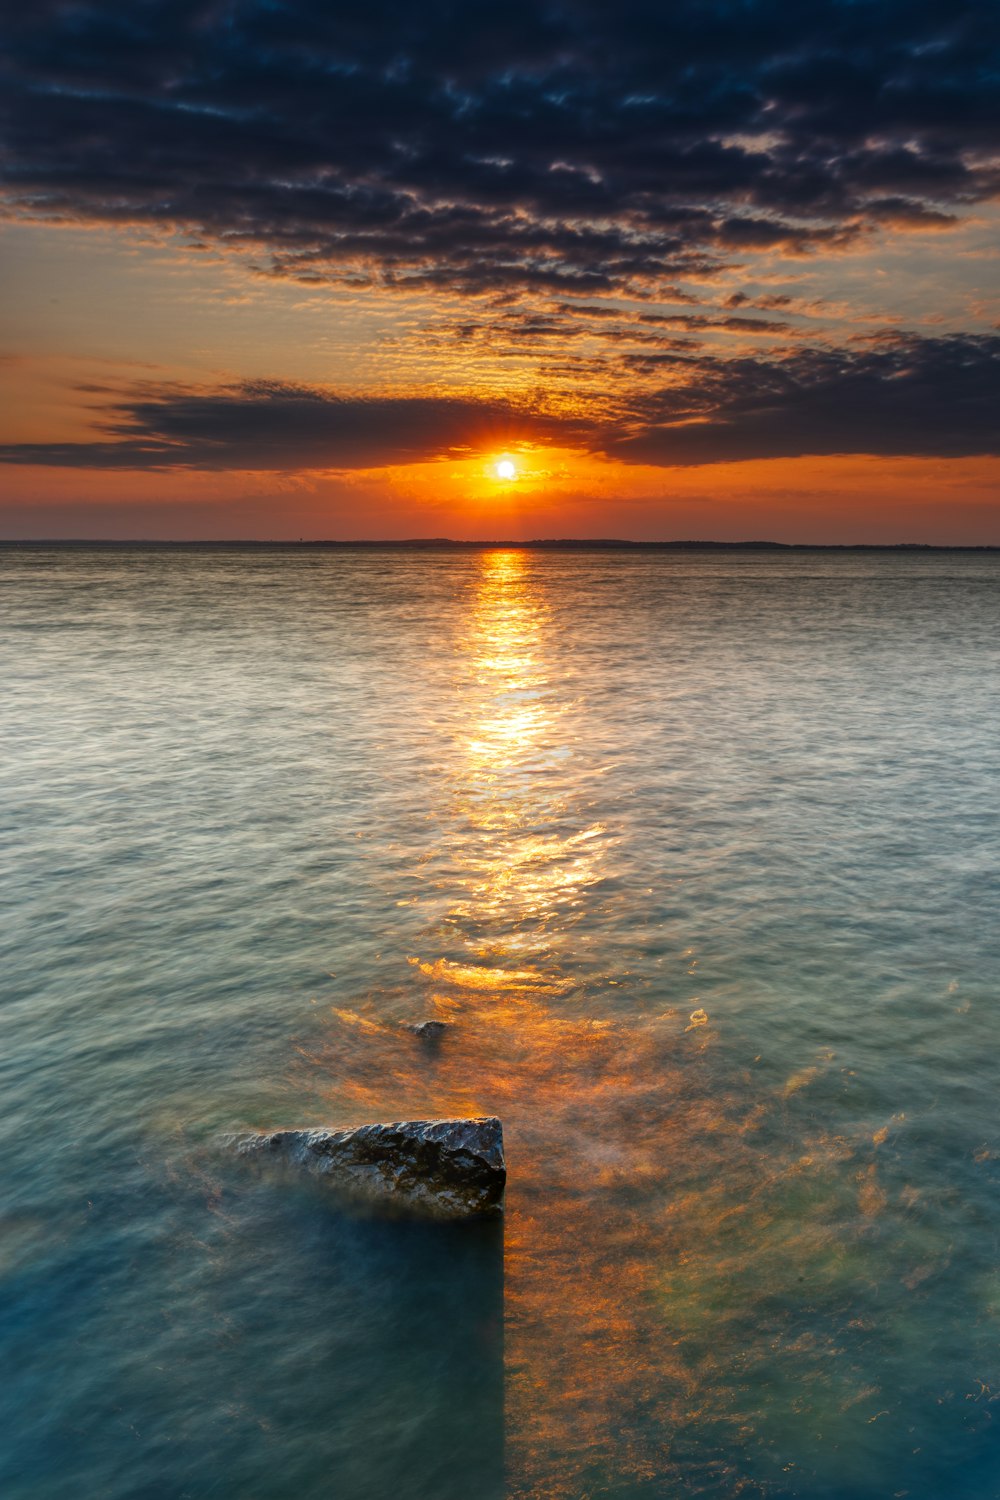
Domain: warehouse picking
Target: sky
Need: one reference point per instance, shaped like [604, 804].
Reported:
[720, 269]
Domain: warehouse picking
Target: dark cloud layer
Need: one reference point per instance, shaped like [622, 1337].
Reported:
[905, 395]
[273, 426]
[571, 145]
[902, 396]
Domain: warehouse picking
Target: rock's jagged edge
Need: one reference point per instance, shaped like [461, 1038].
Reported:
[451, 1169]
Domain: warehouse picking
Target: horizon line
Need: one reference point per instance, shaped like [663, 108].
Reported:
[553, 543]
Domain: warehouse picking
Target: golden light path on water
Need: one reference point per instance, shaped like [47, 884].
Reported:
[645, 1218]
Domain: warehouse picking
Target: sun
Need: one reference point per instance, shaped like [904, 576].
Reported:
[506, 469]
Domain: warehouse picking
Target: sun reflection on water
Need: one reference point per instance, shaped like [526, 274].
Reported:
[643, 1214]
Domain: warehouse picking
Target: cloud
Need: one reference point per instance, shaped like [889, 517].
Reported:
[901, 394]
[280, 427]
[542, 170]
[572, 146]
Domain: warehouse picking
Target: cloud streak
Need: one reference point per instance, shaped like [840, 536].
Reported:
[900, 395]
[286, 428]
[903, 395]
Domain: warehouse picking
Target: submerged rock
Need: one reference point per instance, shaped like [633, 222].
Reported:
[452, 1169]
[429, 1031]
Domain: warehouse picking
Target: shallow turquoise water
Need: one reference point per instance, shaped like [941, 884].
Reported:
[701, 854]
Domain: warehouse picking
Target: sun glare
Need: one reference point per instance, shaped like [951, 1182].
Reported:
[505, 469]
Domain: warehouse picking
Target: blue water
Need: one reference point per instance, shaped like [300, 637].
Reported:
[699, 852]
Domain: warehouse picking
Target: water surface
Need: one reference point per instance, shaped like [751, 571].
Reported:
[698, 852]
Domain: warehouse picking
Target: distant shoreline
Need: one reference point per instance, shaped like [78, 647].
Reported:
[539, 544]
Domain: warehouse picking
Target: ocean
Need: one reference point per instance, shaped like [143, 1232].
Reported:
[699, 854]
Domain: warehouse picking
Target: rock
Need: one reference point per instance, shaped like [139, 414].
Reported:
[451, 1169]
[429, 1031]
